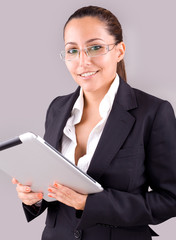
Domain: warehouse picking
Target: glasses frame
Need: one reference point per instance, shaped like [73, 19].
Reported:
[62, 53]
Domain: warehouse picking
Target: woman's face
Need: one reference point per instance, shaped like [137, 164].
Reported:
[93, 74]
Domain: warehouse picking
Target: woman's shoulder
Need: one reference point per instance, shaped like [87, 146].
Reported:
[60, 100]
[63, 100]
[151, 103]
[142, 98]
[147, 98]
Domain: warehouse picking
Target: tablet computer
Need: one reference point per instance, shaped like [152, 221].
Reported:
[32, 161]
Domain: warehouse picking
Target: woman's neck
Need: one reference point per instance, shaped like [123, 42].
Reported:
[93, 99]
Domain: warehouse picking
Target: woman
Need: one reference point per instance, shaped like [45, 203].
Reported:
[122, 137]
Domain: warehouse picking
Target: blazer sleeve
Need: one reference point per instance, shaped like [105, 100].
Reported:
[34, 211]
[125, 209]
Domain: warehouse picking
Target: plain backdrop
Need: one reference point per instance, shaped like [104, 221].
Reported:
[32, 74]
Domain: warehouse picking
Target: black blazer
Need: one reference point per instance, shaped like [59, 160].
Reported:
[137, 149]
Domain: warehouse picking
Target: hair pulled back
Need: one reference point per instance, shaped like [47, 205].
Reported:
[113, 27]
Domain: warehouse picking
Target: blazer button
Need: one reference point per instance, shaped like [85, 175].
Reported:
[77, 234]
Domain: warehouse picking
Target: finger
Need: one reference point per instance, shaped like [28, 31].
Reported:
[22, 188]
[30, 198]
[59, 186]
[56, 185]
[57, 190]
[52, 195]
[52, 192]
[14, 181]
[61, 193]
[67, 196]
[54, 189]
[65, 190]
[61, 196]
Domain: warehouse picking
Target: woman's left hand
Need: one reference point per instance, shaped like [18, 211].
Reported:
[67, 196]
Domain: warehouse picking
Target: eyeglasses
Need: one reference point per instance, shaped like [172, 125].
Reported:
[91, 51]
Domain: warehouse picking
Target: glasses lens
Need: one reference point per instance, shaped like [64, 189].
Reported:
[70, 54]
[96, 50]
[92, 51]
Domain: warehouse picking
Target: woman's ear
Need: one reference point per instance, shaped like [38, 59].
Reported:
[120, 47]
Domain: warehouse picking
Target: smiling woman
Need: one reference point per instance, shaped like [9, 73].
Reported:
[122, 137]
[94, 65]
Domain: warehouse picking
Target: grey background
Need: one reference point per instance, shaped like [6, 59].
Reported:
[32, 75]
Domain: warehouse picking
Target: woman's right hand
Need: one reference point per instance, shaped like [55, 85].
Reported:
[26, 195]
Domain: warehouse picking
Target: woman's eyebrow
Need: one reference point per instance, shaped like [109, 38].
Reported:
[88, 41]
[72, 43]
[94, 39]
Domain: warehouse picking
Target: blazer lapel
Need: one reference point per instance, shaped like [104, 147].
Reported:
[61, 114]
[116, 130]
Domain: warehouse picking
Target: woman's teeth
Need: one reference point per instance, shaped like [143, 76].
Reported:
[87, 74]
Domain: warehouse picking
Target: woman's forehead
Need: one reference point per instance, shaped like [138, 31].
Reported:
[86, 28]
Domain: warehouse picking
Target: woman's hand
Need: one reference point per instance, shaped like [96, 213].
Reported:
[26, 195]
[67, 196]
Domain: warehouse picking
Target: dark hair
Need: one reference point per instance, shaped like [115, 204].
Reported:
[113, 27]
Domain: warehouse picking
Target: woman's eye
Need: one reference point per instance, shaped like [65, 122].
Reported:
[96, 48]
[72, 51]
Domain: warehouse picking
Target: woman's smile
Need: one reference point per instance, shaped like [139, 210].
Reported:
[88, 74]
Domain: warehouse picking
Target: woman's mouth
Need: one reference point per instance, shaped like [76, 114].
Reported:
[88, 74]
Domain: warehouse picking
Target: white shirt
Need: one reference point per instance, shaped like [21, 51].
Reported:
[69, 141]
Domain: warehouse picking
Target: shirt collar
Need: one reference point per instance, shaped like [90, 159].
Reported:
[77, 109]
[107, 102]
[104, 107]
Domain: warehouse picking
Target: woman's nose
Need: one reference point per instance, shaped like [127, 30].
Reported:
[83, 57]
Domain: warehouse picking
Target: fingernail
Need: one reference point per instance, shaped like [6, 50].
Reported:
[28, 189]
[13, 181]
[49, 195]
[40, 195]
[49, 190]
[55, 185]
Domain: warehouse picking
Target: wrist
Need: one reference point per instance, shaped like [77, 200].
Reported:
[81, 204]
